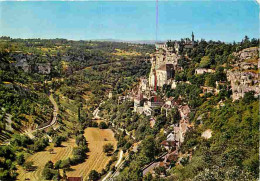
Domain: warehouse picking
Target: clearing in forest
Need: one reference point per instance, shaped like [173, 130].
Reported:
[97, 159]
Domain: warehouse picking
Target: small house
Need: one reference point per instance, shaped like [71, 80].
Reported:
[199, 71]
[75, 179]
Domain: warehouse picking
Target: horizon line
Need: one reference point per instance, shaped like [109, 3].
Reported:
[120, 40]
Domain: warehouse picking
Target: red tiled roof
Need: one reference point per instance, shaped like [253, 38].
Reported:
[168, 143]
[75, 179]
[172, 157]
[161, 164]
[164, 142]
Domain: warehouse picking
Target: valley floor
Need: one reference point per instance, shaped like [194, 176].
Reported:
[41, 158]
[97, 159]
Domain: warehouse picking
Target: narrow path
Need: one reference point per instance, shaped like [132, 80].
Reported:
[127, 133]
[107, 176]
[152, 164]
[116, 173]
[117, 164]
[120, 158]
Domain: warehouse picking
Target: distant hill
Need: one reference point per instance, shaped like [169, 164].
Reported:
[131, 41]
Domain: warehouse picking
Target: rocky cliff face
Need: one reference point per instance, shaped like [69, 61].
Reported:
[160, 58]
[25, 62]
[43, 68]
[244, 75]
[247, 53]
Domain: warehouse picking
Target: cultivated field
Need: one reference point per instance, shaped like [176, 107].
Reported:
[41, 158]
[126, 53]
[97, 160]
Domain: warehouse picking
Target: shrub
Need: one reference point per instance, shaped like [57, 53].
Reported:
[95, 124]
[49, 164]
[58, 140]
[102, 125]
[103, 172]
[108, 148]
[20, 159]
[47, 173]
[94, 175]
[79, 155]
[65, 164]
[40, 144]
[28, 165]
[57, 164]
[81, 140]
[21, 140]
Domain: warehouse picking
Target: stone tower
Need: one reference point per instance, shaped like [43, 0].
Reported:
[192, 37]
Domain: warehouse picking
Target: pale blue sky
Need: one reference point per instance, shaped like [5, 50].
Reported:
[130, 20]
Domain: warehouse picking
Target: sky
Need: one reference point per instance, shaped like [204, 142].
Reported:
[130, 20]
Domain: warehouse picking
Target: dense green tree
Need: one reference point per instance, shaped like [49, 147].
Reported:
[205, 62]
[58, 140]
[20, 159]
[65, 164]
[108, 148]
[249, 97]
[28, 165]
[47, 174]
[149, 148]
[93, 175]
[49, 164]
[57, 164]
[102, 125]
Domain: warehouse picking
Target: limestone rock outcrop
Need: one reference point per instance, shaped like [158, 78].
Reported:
[244, 76]
[164, 62]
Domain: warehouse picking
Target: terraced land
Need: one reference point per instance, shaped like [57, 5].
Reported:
[97, 159]
[4, 136]
[41, 158]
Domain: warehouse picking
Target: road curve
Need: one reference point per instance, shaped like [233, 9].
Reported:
[53, 121]
[118, 165]
[55, 113]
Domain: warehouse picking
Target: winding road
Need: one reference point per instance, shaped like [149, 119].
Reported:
[53, 121]
[118, 163]
[55, 113]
